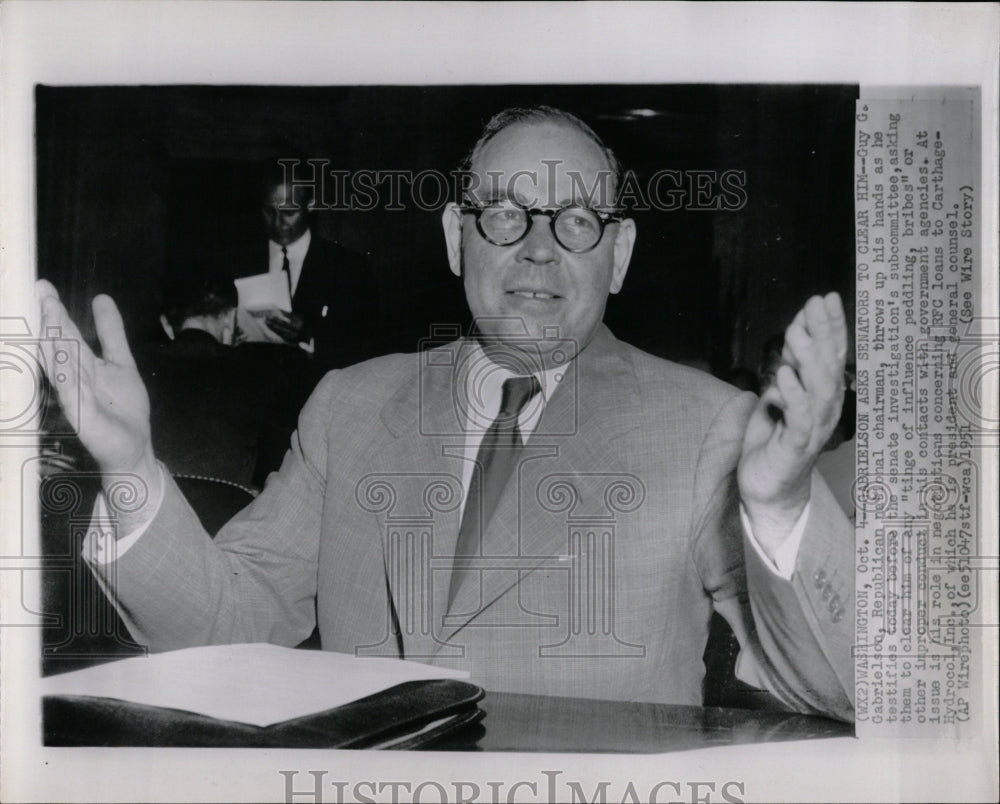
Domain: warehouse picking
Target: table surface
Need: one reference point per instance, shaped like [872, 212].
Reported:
[529, 723]
[512, 722]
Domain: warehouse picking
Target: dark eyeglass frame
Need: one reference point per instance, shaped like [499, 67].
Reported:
[604, 218]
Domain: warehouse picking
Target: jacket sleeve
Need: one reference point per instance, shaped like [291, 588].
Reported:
[795, 635]
[256, 581]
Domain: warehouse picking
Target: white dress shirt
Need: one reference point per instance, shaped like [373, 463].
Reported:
[483, 394]
[296, 256]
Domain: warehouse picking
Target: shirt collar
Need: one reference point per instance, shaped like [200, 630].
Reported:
[297, 250]
[484, 386]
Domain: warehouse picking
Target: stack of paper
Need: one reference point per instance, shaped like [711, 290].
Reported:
[257, 684]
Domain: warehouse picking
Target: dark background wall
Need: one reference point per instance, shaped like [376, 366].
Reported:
[133, 181]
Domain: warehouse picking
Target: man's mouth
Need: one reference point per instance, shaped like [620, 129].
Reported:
[534, 294]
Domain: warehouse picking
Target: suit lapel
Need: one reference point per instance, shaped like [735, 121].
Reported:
[306, 278]
[423, 467]
[573, 448]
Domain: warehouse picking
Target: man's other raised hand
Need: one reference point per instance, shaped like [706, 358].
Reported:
[779, 451]
[112, 419]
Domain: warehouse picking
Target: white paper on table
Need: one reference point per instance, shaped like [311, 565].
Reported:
[258, 684]
[264, 292]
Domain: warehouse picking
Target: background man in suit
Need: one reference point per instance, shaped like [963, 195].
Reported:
[333, 290]
[692, 496]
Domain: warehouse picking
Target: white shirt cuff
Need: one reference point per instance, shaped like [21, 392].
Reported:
[783, 564]
[100, 547]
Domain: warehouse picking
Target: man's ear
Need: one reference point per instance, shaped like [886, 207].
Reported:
[451, 220]
[624, 241]
[166, 327]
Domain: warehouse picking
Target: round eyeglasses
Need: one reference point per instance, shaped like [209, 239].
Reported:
[504, 223]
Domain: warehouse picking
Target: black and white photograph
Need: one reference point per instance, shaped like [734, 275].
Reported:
[572, 420]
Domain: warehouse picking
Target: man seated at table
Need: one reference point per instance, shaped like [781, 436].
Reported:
[539, 503]
[215, 408]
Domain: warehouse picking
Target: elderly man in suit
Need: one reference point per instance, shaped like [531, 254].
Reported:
[539, 503]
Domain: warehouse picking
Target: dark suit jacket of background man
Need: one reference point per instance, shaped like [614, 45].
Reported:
[210, 404]
[626, 496]
[341, 282]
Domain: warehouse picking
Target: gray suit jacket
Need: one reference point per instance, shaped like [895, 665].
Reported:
[602, 565]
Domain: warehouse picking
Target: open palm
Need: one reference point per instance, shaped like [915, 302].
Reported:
[796, 415]
[112, 419]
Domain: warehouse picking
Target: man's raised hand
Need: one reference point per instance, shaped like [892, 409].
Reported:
[793, 420]
[112, 420]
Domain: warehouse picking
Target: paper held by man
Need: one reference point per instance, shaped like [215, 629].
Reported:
[260, 297]
[257, 684]
[264, 292]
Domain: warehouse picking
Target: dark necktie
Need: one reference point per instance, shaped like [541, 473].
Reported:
[287, 269]
[498, 456]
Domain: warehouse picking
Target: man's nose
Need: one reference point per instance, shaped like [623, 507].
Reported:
[539, 245]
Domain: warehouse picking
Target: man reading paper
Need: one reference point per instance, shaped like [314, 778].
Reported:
[303, 289]
[540, 504]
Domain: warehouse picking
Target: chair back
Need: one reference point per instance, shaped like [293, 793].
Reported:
[214, 500]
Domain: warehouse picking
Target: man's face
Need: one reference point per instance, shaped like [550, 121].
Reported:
[558, 295]
[285, 221]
